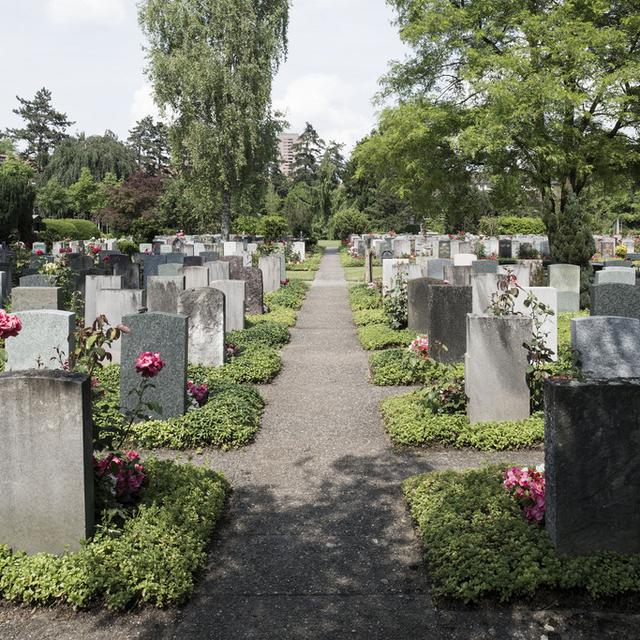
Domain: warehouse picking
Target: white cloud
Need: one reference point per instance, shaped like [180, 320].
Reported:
[96, 11]
[339, 110]
[143, 105]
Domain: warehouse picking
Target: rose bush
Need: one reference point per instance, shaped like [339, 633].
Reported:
[149, 364]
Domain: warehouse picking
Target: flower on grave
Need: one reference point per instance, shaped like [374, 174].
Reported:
[121, 475]
[65, 250]
[180, 234]
[39, 252]
[149, 364]
[284, 283]
[199, 393]
[95, 249]
[10, 326]
[420, 347]
[527, 486]
[232, 351]
[105, 259]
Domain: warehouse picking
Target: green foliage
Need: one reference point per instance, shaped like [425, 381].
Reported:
[395, 303]
[410, 424]
[70, 228]
[311, 263]
[512, 225]
[273, 228]
[478, 544]
[300, 208]
[17, 197]
[281, 315]
[570, 236]
[395, 367]
[53, 199]
[246, 225]
[365, 317]
[85, 195]
[362, 297]
[149, 142]
[151, 559]
[127, 246]
[374, 337]
[348, 221]
[292, 296]
[267, 334]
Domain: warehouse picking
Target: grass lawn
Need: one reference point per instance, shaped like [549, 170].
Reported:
[335, 244]
[356, 274]
[301, 275]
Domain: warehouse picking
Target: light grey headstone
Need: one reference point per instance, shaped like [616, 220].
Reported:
[93, 286]
[458, 276]
[616, 275]
[496, 368]
[163, 293]
[218, 270]
[46, 505]
[607, 346]
[31, 298]
[300, 249]
[171, 269]
[435, 267]
[566, 279]
[391, 269]
[45, 342]
[549, 297]
[270, 267]
[521, 271]
[234, 302]
[37, 280]
[196, 277]
[483, 287]
[485, 266]
[166, 334]
[464, 259]
[205, 309]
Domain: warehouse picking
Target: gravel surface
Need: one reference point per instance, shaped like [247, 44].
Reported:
[317, 542]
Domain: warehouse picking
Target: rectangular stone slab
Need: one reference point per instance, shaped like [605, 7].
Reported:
[205, 309]
[234, 302]
[46, 475]
[163, 293]
[592, 456]
[32, 298]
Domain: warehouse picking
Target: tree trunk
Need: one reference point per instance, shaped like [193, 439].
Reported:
[225, 224]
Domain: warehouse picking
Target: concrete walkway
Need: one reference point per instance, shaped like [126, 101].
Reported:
[317, 542]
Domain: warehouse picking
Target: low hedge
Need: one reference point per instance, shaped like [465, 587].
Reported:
[375, 337]
[291, 296]
[409, 423]
[255, 365]
[229, 420]
[63, 228]
[361, 296]
[477, 544]
[401, 367]
[369, 316]
[267, 334]
[150, 559]
[281, 315]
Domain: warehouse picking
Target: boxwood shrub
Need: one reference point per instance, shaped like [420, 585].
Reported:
[363, 297]
[401, 367]
[267, 334]
[149, 559]
[375, 337]
[369, 316]
[477, 544]
[292, 296]
[281, 315]
[409, 423]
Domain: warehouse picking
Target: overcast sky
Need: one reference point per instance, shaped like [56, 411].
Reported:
[89, 54]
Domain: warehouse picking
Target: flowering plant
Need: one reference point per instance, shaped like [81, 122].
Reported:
[149, 364]
[284, 283]
[65, 250]
[39, 252]
[527, 486]
[447, 396]
[95, 249]
[420, 347]
[353, 252]
[232, 351]
[120, 477]
[198, 393]
[10, 327]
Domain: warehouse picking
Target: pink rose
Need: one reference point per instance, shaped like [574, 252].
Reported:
[10, 326]
[149, 364]
[39, 252]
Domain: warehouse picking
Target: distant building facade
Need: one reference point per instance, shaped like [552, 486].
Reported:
[287, 142]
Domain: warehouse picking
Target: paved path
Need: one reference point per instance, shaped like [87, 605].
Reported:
[317, 543]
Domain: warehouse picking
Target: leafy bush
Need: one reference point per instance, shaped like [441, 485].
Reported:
[374, 337]
[348, 221]
[256, 364]
[150, 559]
[128, 247]
[246, 225]
[273, 228]
[512, 225]
[281, 315]
[477, 544]
[61, 229]
[292, 296]
[268, 334]
[402, 367]
[409, 423]
[369, 316]
[396, 303]
[86, 229]
[230, 419]
[361, 296]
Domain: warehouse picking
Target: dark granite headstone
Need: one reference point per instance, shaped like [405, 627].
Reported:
[209, 256]
[150, 263]
[193, 261]
[177, 258]
[505, 249]
[166, 334]
[592, 455]
[440, 312]
[621, 300]
[79, 262]
[254, 292]
[236, 264]
[444, 249]
[122, 265]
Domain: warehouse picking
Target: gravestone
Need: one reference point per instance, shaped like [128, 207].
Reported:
[464, 259]
[301, 250]
[485, 266]
[522, 272]
[436, 267]
[439, 311]
[80, 262]
[621, 300]
[209, 256]
[45, 335]
[205, 309]
[4, 280]
[32, 298]
[254, 290]
[46, 506]
[93, 286]
[616, 275]
[122, 265]
[236, 263]
[166, 334]
[196, 277]
[391, 269]
[270, 267]
[150, 264]
[483, 286]
[607, 346]
[505, 249]
[163, 293]
[549, 328]
[193, 261]
[37, 280]
[175, 258]
[592, 492]
[459, 276]
[218, 270]
[171, 269]
[444, 249]
[401, 247]
[234, 302]
[566, 279]
[115, 304]
[166, 249]
[39, 246]
[496, 368]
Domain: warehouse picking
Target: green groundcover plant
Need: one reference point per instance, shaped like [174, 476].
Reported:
[362, 296]
[375, 337]
[410, 422]
[291, 296]
[148, 558]
[478, 544]
[402, 367]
